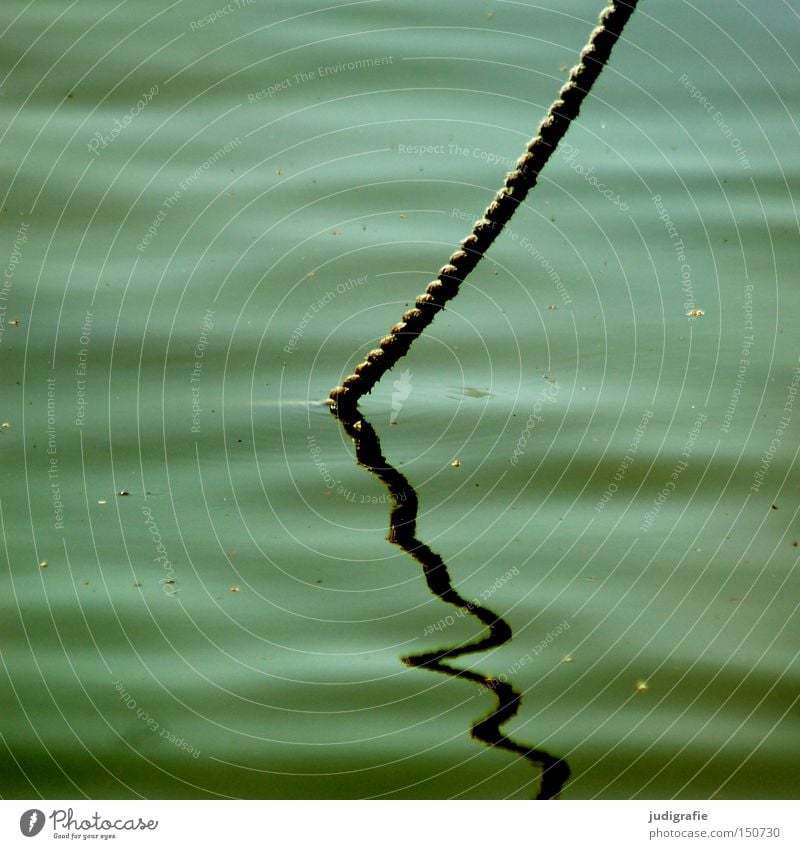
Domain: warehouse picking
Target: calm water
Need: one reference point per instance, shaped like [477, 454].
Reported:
[211, 213]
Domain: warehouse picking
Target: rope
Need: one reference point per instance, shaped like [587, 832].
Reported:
[518, 183]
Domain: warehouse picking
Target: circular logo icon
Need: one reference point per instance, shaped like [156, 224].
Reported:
[31, 822]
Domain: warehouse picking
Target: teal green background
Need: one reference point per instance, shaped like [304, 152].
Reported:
[271, 667]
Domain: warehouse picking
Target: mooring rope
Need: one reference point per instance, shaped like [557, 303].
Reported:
[518, 183]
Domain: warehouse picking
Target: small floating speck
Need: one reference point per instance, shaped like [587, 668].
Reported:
[234, 589]
[102, 501]
[456, 464]
[43, 564]
[489, 16]
[774, 506]
[6, 424]
[567, 659]
[552, 307]
[14, 322]
[403, 215]
[123, 492]
[641, 686]
[695, 313]
[279, 171]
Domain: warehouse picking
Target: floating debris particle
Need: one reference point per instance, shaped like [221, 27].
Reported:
[567, 659]
[456, 464]
[14, 322]
[102, 501]
[641, 686]
[489, 16]
[403, 215]
[279, 171]
[123, 492]
[552, 307]
[234, 589]
[43, 564]
[695, 313]
[774, 506]
[459, 392]
[6, 425]
[563, 69]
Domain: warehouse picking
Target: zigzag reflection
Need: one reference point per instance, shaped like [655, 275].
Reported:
[402, 530]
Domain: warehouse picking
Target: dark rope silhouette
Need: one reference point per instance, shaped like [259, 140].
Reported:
[402, 532]
[517, 185]
[344, 399]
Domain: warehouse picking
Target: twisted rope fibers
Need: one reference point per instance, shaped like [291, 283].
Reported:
[518, 183]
